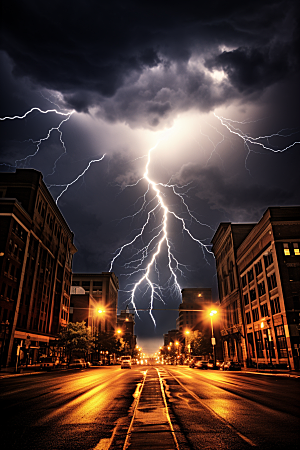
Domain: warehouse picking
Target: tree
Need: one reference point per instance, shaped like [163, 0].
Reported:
[75, 336]
[107, 342]
[201, 345]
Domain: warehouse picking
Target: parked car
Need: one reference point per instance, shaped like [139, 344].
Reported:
[201, 364]
[126, 362]
[195, 360]
[97, 363]
[231, 365]
[77, 364]
[219, 363]
[48, 363]
[210, 364]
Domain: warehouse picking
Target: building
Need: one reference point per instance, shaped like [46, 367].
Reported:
[171, 337]
[225, 242]
[36, 252]
[125, 328]
[194, 310]
[99, 292]
[268, 268]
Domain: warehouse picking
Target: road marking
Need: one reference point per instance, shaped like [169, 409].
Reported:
[138, 395]
[224, 421]
[167, 409]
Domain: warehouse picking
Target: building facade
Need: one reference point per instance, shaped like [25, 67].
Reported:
[99, 291]
[268, 272]
[36, 252]
[125, 328]
[225, 242]
[194, 310]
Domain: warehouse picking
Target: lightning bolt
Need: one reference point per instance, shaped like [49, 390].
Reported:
[41, 140]
[251, 142]
[66, 117]
[160, 239]
[143, 264]
[67, 185]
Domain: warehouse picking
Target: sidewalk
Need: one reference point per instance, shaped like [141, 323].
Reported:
[274, 372]
[23, 370]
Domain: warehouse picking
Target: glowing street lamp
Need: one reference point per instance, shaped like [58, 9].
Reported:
[212, 313]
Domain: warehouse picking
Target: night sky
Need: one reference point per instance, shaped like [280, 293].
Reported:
[136, 75]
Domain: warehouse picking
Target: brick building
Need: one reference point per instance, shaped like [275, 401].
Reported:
[36, 251]
[225, 242]
[268, 268]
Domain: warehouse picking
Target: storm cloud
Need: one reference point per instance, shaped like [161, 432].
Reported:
[144, 62]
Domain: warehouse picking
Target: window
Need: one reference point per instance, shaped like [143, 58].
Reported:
[255, 315]
[294, 273]
[235, 313]
[296, 249]
[275, 305]
[231, 277]
[261, 289]
[264, 310]
[251, 347]
[97, 284]
[258, 267]
[86, 285]
[3, 289]
[281, 342]
[268, 259]
[246, 299]
[252, 295]
[250, 275]
[8, 293]
[244, 281]
[259, 343]
[272, 283]
[248, 317]
[296, 302]
[286, 249]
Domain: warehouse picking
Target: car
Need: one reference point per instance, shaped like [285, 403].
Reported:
[48, 363]
[125, 362]
[231, 365]
[97, 363]
[193, 361]
[210, 364]
[201, 364]
[77, 364]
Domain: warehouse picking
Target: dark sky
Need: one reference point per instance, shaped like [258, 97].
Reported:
[134, 75]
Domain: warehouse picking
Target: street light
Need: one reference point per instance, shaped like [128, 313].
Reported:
[212, 313]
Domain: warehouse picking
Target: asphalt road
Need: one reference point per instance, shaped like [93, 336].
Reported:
[81, 409]
[74, 409]
[234, 410]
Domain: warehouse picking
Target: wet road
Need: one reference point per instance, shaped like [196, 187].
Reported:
[75, 409]
[234, 410]
[84, 409]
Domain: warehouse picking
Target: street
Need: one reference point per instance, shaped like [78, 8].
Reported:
[92, 408]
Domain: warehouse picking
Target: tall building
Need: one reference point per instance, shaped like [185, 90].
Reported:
[99, 291]
[36, 252]
[125, 326]
[194, 310]
[268, 268]
[225, 242]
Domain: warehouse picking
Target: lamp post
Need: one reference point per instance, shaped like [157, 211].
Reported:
[177, 353]
[212, 313]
